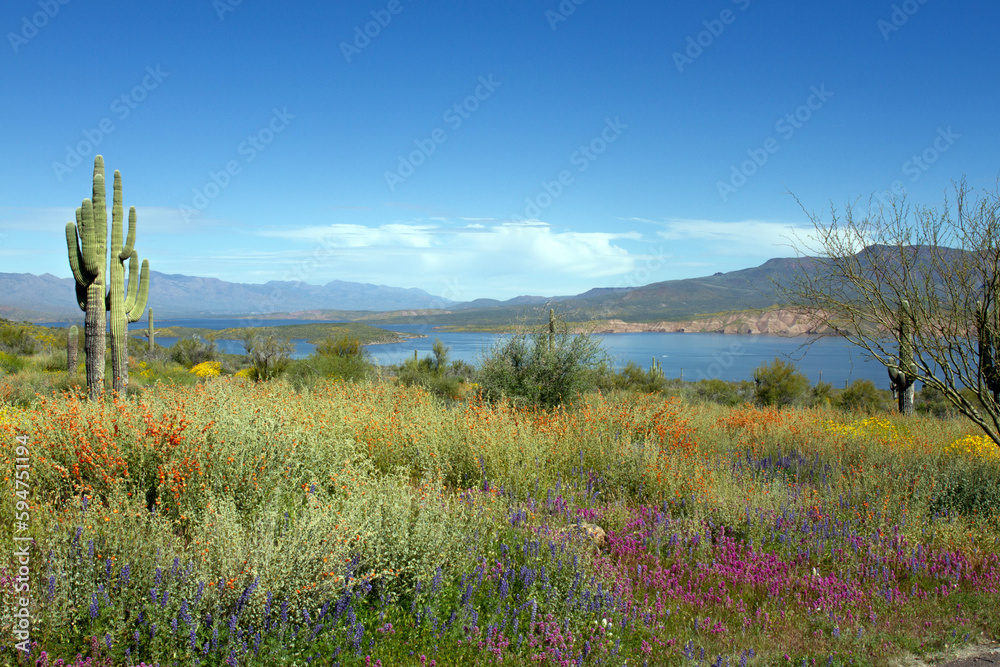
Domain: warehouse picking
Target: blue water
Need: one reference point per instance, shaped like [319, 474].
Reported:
[691, 356]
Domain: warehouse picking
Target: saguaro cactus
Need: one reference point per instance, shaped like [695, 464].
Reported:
[86, 240]
[903, 375]
[149, 331]
[552, 327]
[72, 348]
[987, 335]
[124, 309]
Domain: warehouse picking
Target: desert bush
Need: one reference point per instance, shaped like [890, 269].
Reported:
[190, 352]
[720, 392]
[633, 377]
[779, 384]
[541, 369]
[862, 396]
[269, 354]
[16, 340]
[340, 346]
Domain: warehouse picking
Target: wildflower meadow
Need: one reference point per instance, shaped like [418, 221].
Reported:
[369, 523]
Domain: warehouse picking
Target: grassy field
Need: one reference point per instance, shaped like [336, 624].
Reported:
[361, 524]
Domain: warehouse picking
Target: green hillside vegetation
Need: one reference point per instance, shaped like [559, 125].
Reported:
[367, 334]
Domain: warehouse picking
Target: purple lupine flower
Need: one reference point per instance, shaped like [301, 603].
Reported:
[193, 639]
[177, 563]
[52, 587]
[201, 591]
[246, 595]
[166, 596]
[284, 612]
[256, 643]
[215, 636]
[183, 612]
[95, 609]
[107, 641]
[173, 625]
[154, 594]
[232, 625]
[107, 569]
[124, 575]
[158, 577]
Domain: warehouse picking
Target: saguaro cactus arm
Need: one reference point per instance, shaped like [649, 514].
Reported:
[138, 287]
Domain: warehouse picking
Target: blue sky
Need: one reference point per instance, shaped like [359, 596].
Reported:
[483, 149]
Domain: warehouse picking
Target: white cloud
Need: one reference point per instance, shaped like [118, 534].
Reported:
[750, 238]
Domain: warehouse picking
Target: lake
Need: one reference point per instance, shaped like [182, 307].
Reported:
[691, 356]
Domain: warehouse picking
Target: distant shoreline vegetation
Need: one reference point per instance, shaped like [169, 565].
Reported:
[312, 333]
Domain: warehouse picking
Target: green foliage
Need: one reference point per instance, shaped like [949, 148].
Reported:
[822, 395]
[541, 369]
[633, 378]
[11, 364]
[269, 354]
[192, 351]
[779, 384]
[720, 392]
[17, 340]
[340, 346]
[932, 401]
[440, 351]
[862, 396]
[969, 488]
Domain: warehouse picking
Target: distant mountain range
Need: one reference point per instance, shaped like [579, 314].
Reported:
[26, 296]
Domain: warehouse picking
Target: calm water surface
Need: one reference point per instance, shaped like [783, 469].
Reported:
[691, 356]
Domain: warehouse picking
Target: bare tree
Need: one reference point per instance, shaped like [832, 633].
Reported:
[918, 289]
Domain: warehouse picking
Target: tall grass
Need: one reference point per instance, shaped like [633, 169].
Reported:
[358, 522]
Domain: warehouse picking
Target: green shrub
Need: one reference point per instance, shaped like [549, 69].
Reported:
[779, 384]
[721, 392]
[862, 396]
[269, 355]
[542, 369]
[11, 364]
[17, 340]
[633, 377]
[189, 352]
[340, 346]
